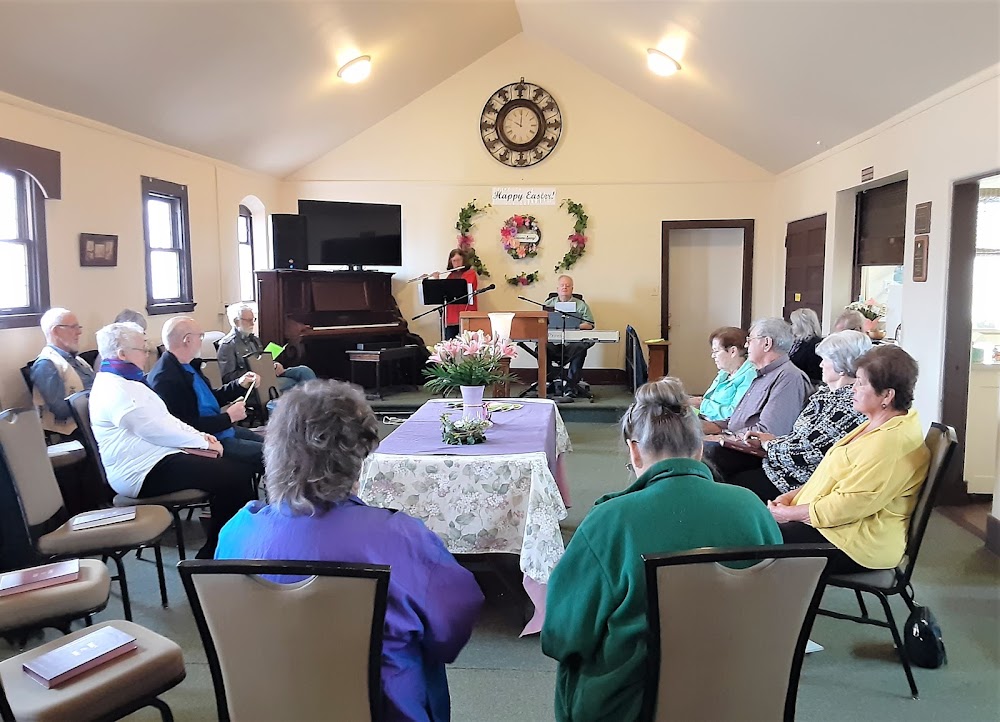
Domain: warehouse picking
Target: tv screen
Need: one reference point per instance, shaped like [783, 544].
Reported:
[353, 234]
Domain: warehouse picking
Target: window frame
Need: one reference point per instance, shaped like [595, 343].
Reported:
[154, 188]
[31, 231]
[248, 215]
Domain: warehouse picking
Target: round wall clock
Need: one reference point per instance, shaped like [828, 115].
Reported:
[521, 124]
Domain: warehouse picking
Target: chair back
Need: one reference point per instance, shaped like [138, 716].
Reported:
[26, 375]
[23, 442]
[318, 641]
[636, 370]
[210, 344]
[79, 406]
[942, 441]
[89, 356]
[210, 367]
[728, 643]
[262, 364]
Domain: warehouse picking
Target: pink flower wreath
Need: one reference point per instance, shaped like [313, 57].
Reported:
[508, 236]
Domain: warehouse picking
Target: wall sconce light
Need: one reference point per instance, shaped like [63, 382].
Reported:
[661, 63]
[356, 70]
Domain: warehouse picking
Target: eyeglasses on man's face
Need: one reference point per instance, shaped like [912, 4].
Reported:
[247, 320]
[71, 326]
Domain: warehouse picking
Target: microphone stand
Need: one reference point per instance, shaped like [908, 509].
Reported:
[461, 299]
[563, 315]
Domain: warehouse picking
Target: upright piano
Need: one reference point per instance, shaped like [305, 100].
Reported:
[322, 314]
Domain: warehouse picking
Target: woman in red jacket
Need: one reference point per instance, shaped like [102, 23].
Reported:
[459, 261]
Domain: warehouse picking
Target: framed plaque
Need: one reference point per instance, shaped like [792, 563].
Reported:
[98, 250]
[922, 218]
[920, 258]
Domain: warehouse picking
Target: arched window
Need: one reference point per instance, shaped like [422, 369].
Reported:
[244, 236]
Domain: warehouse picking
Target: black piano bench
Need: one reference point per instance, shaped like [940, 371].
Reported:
[383, 358]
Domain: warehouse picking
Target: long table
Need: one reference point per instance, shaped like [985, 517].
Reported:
[506, 495]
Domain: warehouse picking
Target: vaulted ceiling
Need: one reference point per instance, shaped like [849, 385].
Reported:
[253, 82]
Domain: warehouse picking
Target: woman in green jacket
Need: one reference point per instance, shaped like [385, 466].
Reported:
[595, 620]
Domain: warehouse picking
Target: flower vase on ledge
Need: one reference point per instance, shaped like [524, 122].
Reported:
[472, 401]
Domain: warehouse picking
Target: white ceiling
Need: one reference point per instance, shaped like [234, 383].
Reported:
[253, 82]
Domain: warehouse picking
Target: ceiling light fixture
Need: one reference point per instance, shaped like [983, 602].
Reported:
[661, 63]
[356, 70]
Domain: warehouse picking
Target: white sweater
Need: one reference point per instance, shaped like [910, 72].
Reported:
[135, 431]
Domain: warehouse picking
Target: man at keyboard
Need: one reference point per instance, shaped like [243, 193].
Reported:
[575, 353]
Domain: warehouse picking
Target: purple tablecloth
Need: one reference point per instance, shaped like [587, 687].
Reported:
[529, 429]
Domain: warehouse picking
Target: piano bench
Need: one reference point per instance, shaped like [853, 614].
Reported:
[383, 358]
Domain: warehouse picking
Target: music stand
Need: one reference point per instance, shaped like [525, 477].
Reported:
[443, 291]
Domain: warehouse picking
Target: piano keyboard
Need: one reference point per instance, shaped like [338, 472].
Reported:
[556, 336]
[356, 325]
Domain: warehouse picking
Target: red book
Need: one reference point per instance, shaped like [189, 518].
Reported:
[73, 659]
[210, 453]
[102, 517]
[47, 575]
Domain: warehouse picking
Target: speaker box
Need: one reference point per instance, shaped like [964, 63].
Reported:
[288, 234]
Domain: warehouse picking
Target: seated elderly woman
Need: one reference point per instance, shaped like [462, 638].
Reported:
[861, 496]
[142, 445]
[828, 417]
[735, 375]
[807, 333]
[316, 440]
[595, 620]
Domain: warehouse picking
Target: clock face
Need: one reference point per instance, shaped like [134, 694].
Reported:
[521, 124]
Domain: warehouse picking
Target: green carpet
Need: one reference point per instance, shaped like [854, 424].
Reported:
[501, 677]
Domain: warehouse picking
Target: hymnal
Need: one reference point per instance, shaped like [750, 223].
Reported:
[102, 517]
[89, 651]
[209, 453]
[47, 575]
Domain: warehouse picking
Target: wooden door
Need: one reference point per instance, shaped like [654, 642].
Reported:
[805, 251]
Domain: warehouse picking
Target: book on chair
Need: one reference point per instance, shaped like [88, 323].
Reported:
[102, 517]
[207, 453]
[70, 660]
[47, 575]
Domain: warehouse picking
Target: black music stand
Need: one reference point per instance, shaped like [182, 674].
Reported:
[441, 292]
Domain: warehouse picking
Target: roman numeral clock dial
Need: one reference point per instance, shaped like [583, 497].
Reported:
[521, 124]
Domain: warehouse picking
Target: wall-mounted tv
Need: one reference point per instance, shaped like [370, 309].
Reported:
[353, 234]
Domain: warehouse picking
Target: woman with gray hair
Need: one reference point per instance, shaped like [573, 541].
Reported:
[595, 619]
[316, 440]
[828, 417]
[807, 333]
[143, 447]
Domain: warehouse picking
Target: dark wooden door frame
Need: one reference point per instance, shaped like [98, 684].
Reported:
[958, 329]
[667, 226]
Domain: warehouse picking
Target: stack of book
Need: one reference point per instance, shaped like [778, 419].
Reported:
[102, 517]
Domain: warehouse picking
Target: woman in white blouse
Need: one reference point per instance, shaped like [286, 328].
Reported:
[142, 445]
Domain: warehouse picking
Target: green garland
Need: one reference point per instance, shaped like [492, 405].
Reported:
[524, 279]
[463, 431]
[578, 238]
[465, 239]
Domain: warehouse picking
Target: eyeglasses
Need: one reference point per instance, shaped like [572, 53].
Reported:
[133, 348]
[247, 320]
[74, 326]
[201, 336]
[717, 351]
[755, 338]
[630, 467]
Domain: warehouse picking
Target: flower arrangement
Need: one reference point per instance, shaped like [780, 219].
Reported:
[463, 431]
[471, 359]
[871, 309]
[524, 279]
[577, 239]
[465, 240]
[508, 236]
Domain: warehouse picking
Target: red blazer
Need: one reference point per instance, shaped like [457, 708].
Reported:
[451, 313]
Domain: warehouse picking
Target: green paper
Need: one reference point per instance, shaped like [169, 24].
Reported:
[274, 349]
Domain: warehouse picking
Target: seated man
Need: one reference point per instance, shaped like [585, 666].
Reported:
[241, 341]
[773, 401]
[178, 380]
[576, 352]
[58, 372]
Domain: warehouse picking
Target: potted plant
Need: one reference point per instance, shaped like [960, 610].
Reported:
[873, 311]
[470, 362]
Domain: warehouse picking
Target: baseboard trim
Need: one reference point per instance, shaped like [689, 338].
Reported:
[604, 377]
[993, 534]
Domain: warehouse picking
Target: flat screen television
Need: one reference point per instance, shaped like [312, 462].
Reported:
[339, 233]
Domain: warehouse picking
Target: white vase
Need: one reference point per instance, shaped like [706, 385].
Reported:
[472, 401]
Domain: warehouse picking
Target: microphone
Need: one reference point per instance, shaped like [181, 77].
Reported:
[491, 287]
[522, 298]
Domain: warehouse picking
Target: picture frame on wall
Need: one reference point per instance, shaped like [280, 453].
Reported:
[98, 249]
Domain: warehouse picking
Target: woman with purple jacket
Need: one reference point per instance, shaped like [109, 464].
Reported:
[316, 440]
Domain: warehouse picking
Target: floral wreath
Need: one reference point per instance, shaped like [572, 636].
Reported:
[577, 239]
[465, 239]
[524, 279]
[508, 236]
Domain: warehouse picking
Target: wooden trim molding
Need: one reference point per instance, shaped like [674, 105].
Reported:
[42, 164]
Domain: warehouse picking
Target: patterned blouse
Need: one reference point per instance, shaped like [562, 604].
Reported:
[828, 417]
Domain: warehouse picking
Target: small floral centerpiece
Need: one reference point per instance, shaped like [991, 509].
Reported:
[872, 310]
[463, 431]
[471, 359]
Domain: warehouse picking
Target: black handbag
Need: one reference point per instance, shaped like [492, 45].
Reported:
[922, 639]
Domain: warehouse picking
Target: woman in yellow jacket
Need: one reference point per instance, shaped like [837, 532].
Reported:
[861, 496]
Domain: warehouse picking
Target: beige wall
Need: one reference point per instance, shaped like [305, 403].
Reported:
[101, 170]
[949, 137]
[630, 165]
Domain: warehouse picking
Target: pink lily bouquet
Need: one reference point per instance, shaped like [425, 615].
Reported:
[872, 310]
[471, 359]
